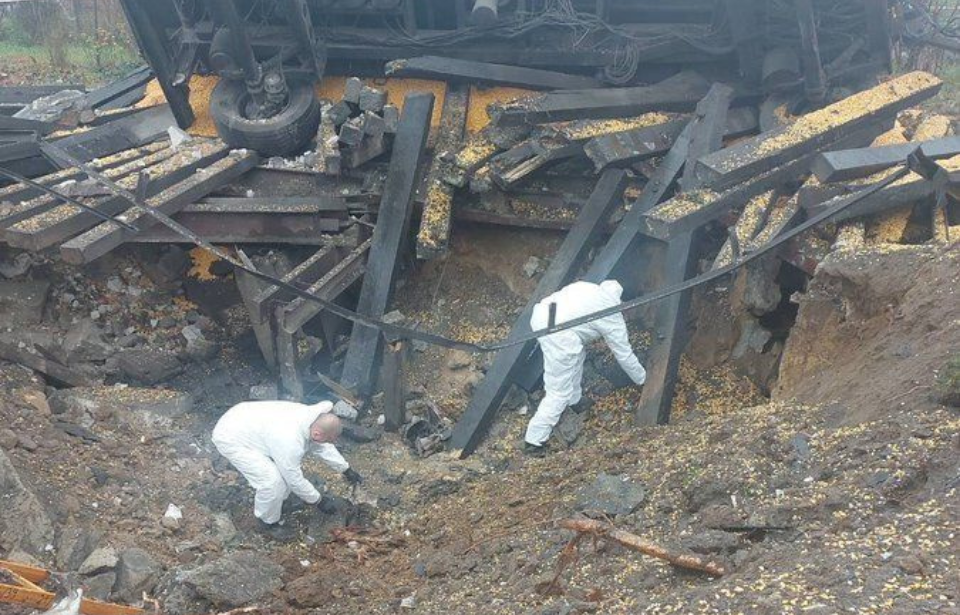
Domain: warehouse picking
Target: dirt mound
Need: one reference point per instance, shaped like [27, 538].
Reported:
[873, 330]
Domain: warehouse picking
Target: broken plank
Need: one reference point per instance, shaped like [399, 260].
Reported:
[845, 165]
[748, 224]
[679, 93]
[333, 204]
[329, 287]
[814, 131]
[434, 234]
[468, 71]
[249, 287]
[140, 128]
[393, 219]
[489, 394]
[106, 96]
[106, 236]
[303, 275]
[63, 221]
[782, 215]
[394, 391]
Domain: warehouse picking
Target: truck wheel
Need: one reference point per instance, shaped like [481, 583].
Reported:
[286, 133]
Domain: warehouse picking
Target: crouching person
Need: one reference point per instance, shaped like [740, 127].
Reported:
[266, 442]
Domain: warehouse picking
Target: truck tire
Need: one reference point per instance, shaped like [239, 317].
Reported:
[284, 134]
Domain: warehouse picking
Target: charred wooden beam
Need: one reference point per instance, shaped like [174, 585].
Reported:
[63, 221]
[106, 236]
[120, 90]
[846, 165]
[43, 202]
[784, 211]
[478, 416]
[748, 224]
[343, 275]
[303, 276]
[393, 220]
[694, 209]
[17, 193]
[45, 365]
[247, 228]
[814, 131]
[434, 234]
[134, 130]
[394, 391]
[639, 144]
[707, 136]
[470, 72]
[679, 93]
[670, 319]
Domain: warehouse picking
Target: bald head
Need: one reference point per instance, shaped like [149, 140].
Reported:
[326, 428]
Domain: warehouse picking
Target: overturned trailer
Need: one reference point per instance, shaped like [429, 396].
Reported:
[270, 54]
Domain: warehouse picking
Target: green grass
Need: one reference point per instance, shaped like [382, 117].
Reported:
[32, 63]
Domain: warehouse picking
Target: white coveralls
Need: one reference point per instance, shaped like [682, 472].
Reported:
[565, 351]
[266, 441]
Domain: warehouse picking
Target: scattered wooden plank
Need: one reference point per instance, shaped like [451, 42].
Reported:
[434, 234]
[57, 224]
[249, 287]
[42, 202]
[815, 131]
[299, 311]
[679, 93]
[247, 228]
[393, 219]
[119, 90]
[17, 193]
[846, 165]
[783, 213]
[394, 391]
[748, 224]
[707, 136]
[303, 275]
[134, 130]
[670, 318]
[482, 409]
[631, 146]
[16, 124]
[693, 209]
[103, 238]
[470, 72]
[25, 94]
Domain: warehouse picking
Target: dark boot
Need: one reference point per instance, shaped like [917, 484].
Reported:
[275, 531]
[584, 406]
[532, 450]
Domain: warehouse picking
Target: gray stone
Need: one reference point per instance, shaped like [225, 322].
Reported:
[202, 349]
[611, 495]
[101, 560]
[235, 580]
[22, 303]
[137, 572]
[570, 426]
[8, 439]
[22, 557]
[27, 443]
[531, 267]
[148, 366]
[64, 107]
[24, 523]
[84, 342]
[459, 359]
[129, 340]
[223, 528]
[359, 433]
[100, 586]
[394, 317]
[74, 545]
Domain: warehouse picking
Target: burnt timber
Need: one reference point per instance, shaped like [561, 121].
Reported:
[392, 222]
[845, 165]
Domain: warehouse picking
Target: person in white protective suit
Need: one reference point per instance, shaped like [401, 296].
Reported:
[565, 351]
[266, 442]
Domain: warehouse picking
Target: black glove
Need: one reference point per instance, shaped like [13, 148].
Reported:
[351, 476]
[326, 506]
